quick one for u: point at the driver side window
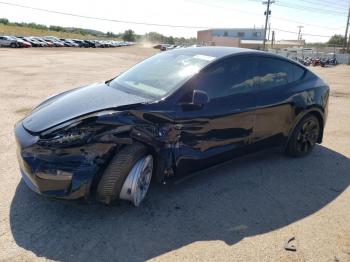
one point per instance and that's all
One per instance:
(232, 76)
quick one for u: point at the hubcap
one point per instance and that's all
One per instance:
(307, 136)
(138, 180)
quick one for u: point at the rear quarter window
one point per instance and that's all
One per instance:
(298, 73)
(274, 72)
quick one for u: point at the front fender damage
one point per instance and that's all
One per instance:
(73, 170)
(155, 130)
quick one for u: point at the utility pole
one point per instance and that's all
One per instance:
(273, 38)
(267, 14)
(346, 31)
(299, 34)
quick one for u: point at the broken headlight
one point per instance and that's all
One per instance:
(76, 132)
(70, 137)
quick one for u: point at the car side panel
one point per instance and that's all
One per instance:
(211, 136)
(280, 109)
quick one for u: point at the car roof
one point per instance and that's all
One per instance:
(220, 52)
(214, 51)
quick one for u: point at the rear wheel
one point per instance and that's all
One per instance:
(13, 45)
(128, 175)
(304, 137)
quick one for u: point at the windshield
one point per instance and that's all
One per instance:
(160, 74)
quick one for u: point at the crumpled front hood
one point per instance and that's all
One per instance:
(75, 103)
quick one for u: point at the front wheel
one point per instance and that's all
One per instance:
(304, 137)
(127, 176)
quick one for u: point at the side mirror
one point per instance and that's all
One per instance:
(200, 98)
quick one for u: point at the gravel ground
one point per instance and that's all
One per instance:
(243, 210)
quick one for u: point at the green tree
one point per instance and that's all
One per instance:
(129, 35)
(154, 37)
(336, 40)
(170, 40)
(4, 21)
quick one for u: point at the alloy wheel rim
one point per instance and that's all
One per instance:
(143, 180)
(307, 136)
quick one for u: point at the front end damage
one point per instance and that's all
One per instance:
(67, 161)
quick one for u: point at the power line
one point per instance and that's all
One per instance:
(132, 22)
(307, 8)
(323, 4)
(312, 9)
(103, 19)
(286, 31)
(275, 17)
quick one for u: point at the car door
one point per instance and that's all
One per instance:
(4, 41)
(275, 111)
(222, 127)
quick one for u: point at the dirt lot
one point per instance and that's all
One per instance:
(243, 210)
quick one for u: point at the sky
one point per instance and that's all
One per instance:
(320, 19)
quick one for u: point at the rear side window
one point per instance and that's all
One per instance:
(232, 76)
(274, 72)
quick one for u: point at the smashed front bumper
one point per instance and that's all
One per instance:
(59, 172)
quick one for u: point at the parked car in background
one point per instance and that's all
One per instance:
(32, 41)
(158, 46)
(6, 41)
(166, 47)
(81, 43)
(45, 44)
(12, 41)
(52, 41)
(52, 38)
(90, 43)
(69, 42)
(97, 43)
(21, 42)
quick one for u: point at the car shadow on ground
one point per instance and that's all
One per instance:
(244, 197)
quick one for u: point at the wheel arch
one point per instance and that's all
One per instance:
(160, 160)
(318, 113)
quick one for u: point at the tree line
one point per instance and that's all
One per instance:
(128, 35)
(81, 31)
(131, 36)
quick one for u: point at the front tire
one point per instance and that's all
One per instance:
(127, 176)
(304, 137)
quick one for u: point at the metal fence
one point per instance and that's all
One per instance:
(313, 53)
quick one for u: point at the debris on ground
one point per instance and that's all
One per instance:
(289, 246)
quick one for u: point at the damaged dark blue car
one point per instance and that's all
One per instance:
(172, 114)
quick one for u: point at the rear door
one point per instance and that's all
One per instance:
(275, 99)
(224, 126)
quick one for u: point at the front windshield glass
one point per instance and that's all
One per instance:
(160, 74)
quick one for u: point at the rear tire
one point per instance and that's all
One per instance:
(304, 137)
(13, 45)
(116, 172)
